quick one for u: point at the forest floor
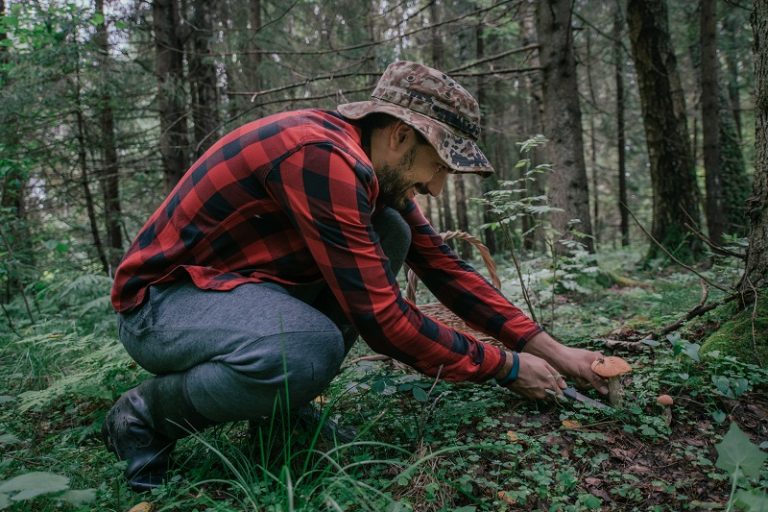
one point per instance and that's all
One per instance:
(422, 445)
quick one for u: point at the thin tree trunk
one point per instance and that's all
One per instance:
(618, 56)
(171, 98)
(491, 182)
(675, 191)
(593, 144)
(756, 272)
(109, 177)
(83, 161)
(534, 235)
(202, 78)
(438, 61)
(568, 190)
(710, 119)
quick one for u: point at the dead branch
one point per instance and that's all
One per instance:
(628, 345)
(699, 310)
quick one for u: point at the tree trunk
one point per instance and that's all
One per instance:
(618, 56)
(438, 62)
(83, 162)
(533, 234)
(710, 119)
(730, 26)
(756, 273)
(593, 143)
(202, 78)
(171, 101)
(675, 191)
(567, 188)
(491, 182)
(109, 177)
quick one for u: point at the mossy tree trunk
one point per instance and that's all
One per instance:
(756, 274)
(675, 191)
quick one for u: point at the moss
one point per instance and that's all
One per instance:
(734, 337)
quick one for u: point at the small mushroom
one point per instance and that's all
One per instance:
(612, 368)
(665, 401)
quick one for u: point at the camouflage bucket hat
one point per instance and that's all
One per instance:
(434, 104)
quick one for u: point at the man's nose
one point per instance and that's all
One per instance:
(435, 185)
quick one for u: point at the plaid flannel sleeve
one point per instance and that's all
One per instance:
(326, 192)
(464, 291)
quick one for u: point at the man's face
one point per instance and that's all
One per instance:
(419, 171)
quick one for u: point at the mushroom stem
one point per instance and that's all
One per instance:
(667, 414)
(615, 392)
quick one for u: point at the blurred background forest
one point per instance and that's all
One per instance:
(105, 105)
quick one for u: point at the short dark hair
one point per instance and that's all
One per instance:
(380, 120)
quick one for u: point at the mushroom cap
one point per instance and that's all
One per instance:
(611, 366)
(665, 400)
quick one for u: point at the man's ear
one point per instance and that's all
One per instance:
(400, 135)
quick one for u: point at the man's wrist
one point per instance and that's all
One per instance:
(510, 370)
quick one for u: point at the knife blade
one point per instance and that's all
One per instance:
(571, 393)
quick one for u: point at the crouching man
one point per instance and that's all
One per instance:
(281, 245)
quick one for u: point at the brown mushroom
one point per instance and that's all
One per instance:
(612, 368)
(666, 401)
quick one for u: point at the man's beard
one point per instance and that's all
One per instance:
(394, 183)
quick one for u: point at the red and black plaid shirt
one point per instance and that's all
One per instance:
(288, 199)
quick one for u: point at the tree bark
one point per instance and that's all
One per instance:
(675, 191)
(618, 57)
(710, 119)
(109, 177)
(756, 272)
(202, 78)
(171, 98)
(568, 189)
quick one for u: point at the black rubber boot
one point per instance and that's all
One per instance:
(144, 424)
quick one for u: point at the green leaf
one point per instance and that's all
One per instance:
(737, 453)
(419, 394)
(79, 497)
(719, 416)
(692, 351)
(34, 484)
(752, 502)
(4, 501)
(8, 439)
(97, 19)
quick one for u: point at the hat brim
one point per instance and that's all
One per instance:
(461, 154)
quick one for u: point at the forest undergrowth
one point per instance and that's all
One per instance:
(421, 444)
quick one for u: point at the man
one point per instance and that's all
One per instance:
(281, 244)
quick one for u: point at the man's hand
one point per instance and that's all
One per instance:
(575, 363)
(536, 378)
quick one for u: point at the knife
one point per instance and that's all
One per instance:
(571, 393)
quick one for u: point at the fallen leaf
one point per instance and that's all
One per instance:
(144, 506)
(512, 437)
(571, 424)
(506, 499)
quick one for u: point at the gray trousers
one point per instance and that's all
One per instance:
(243, 350)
